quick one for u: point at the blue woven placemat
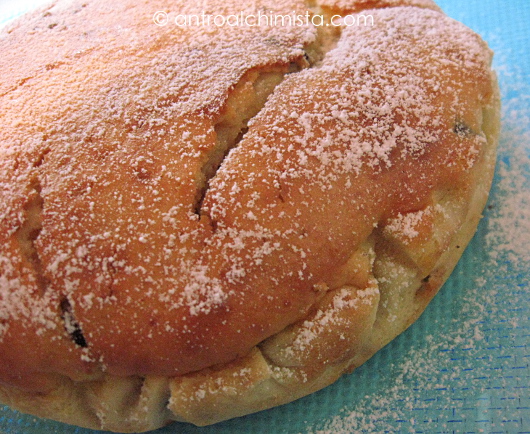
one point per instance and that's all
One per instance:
(463, 367)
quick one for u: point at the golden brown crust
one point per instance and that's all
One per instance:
(142, 265)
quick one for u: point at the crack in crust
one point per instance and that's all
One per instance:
(29, 232)
(71, 325)
(245, 102)
(249, 96)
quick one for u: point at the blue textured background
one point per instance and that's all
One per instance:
(464, 365)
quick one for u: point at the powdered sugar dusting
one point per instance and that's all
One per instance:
(203, 291)
(474, 379)
(509, 220)
(117, 157)
(86, 128)
(406, 224)
(331, 318)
